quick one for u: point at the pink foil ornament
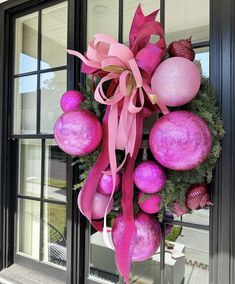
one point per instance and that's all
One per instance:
(148, 237)
(180, 140)
(176, 81)
(179, 209)
(149, 177)
(149, 204)
(106, 184)
(71, 100)
(99, 205)
(197, 196)
(78, 133)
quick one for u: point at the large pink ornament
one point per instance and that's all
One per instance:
(99, 205)
(149, 177)
(149, 204)
(71, 100)
(176, 81)
(106, 184)
(78, 133)
(148, 238)
(180, 140)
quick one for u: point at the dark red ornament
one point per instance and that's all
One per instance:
(179, 209)
(197, 196)
(182, 48)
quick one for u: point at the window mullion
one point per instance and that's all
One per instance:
(38, 101)
(41, 202)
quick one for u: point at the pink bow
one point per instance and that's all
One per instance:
(129, 71)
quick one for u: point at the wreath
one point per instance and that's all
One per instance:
(123, 180)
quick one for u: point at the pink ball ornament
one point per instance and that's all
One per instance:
(106, 184)
(176, 81)
(99, 205)
(149, 204)
(78, 133)
(148, 238)
(180, 140)
(71, 100)
(149, 177)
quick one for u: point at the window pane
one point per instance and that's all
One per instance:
(26, 42)
(28, 227)
(102, 260)
(25, 105)
(102, 17)
(148, 6)
(202, 55)
(187, 18)
(54, 36)
(55, 172)
(30, 167)
(198, 217)
(187, 256)
(55, 233)
(53, 85)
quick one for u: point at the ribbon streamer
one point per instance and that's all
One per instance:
(128, 71)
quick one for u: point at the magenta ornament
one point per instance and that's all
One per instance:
(149, 177)
(78, 133)
(149, 203)
(179, 209)
(71, 100)
(99, 205)
(180, 140)
(148, 237)
(197, 196)
(106, 184)
(176, 81)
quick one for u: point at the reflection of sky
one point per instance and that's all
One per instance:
(28, 84)
(203, 57)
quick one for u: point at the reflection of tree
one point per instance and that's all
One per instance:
(51, 92)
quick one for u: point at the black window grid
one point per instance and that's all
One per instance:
(38, 134)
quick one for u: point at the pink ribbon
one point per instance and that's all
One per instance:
(129, 72)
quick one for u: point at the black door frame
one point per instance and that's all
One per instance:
(222, 223)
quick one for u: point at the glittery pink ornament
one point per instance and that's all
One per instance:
(197, 197)
(106, 184)
(71, 100)
(148, 238)
(149, 203)
(99, 205)
(180, 140)
(179, 209)
(78, 133)
(149, 177)
(176, 81)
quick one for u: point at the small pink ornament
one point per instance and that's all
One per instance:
(149, 177)
(71, 100)
(149, 204)
(106, 184)
(78, 133)
(148, 238)
(180, 140)
(197, 197)
(176, 81)
(99, 205)
(179, 209)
